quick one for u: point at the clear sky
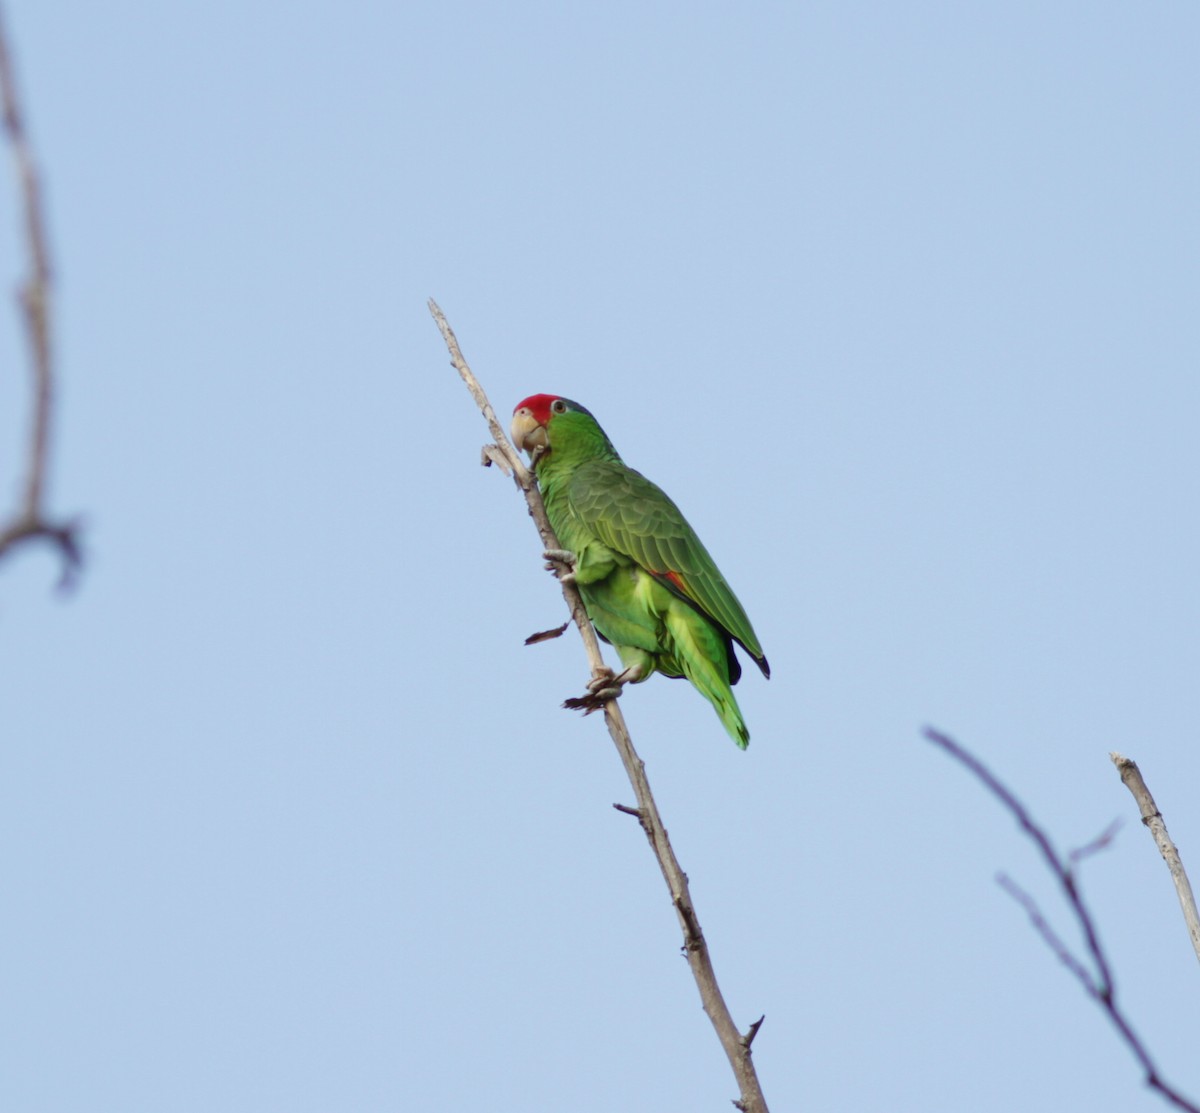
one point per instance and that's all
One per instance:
(897, 301)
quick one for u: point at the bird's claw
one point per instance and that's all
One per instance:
(603, 695)
(562, 563)
(593, 701)
(600, 689)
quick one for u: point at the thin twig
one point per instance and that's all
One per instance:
(1131, 775)
(695, 947)
(1042, 841)
(28, 522)
(1101, 842)
(748, 1038)
(547, 635)
(1098, 982)
(1049, 936)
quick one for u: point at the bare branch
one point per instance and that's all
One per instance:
(1042, 926)
(1098, 982)
(28, 522)
(1131, 775)
(695, 947)
(1041, 840)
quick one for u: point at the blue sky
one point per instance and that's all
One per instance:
(896, 301)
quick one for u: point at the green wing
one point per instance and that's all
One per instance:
(632, 516)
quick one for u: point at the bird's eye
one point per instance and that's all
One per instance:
(558, 406)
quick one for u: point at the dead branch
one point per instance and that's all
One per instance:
(1131, 775)
(29, 522)
(695, 947)
(1097, 980)
(547, 635)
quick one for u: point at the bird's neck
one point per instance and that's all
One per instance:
(567, 452)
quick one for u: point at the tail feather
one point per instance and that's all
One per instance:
(731, 716)
(701, 651)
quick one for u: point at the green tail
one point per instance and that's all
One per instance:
(702, 653)
(731, 715)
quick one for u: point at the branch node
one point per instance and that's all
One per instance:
(63, 536)
(693, 937)
(748, 1038)
(493, 454)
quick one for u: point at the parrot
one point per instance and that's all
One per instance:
(648, 584)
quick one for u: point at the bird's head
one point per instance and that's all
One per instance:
(534, 420)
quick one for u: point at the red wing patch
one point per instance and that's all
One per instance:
(677, 580)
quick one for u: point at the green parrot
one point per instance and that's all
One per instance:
(649, 585)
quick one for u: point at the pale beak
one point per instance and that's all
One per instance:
(526, 432)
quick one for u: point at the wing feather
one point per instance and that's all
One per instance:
(634, 517)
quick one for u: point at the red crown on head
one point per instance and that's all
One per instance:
(538, 405)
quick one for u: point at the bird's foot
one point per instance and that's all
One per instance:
(562, 563)
(601, 688)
